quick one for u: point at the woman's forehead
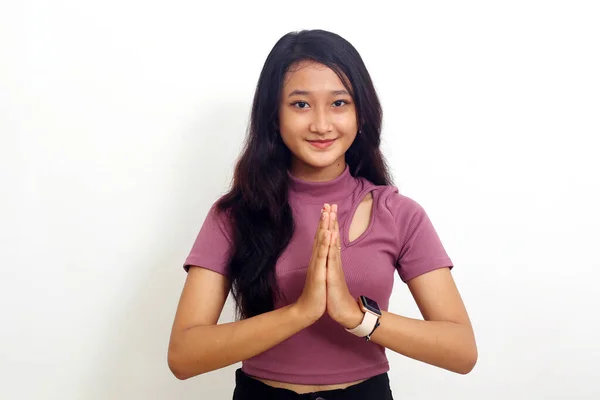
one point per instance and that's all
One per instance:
(313, 77)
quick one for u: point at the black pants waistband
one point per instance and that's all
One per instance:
(375, 388)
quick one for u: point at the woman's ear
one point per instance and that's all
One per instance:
(361, 124)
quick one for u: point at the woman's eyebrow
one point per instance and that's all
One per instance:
(306, 93)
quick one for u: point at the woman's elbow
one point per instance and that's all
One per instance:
(469, 360)
(179, 363)
(176, 366)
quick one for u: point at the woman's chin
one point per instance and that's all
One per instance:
(319, 161)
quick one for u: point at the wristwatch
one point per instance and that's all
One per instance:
(370, 321)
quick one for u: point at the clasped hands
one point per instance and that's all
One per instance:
(325, 289)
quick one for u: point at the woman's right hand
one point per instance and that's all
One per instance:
(197, 345)
(312, 303)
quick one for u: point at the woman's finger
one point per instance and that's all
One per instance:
(337, 231)
(331, 257)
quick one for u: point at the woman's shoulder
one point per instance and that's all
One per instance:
(389, 199)
(220, 218)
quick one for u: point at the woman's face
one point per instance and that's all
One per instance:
(317, 120)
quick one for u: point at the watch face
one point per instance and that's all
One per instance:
(370, 305)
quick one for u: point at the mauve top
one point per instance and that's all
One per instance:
(400, 237)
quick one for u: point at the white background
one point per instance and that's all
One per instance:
(120, 122)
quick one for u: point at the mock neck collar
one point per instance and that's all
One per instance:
(323, 192)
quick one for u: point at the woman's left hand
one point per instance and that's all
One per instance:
(341, 306)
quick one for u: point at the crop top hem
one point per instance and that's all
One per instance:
(317, 379)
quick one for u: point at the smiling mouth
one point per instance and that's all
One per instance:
(322, 144)
(321, 141)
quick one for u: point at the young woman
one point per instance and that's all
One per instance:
(308, 240)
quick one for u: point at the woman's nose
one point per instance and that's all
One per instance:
(321, 123)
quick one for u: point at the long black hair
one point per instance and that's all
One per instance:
(257, 203)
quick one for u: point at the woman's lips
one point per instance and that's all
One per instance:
(322, 144)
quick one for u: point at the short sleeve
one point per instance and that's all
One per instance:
(213, 243)
(420, 248)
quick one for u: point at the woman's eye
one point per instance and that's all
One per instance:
(339, 103)
(300, 104)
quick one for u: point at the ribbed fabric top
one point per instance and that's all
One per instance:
(322, 192)
(400, 237)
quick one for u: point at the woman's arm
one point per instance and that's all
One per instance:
(444, 339)
(199, 345)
